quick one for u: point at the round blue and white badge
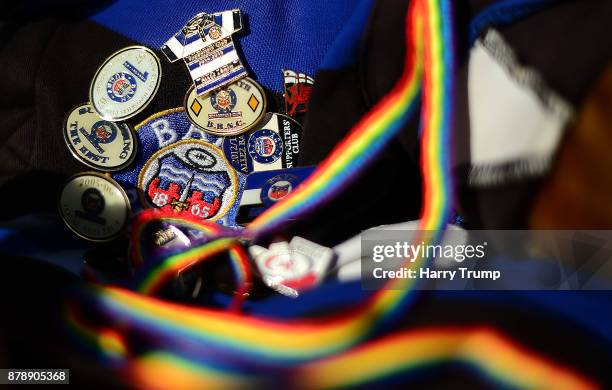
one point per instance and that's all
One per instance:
(125, 83)
(191, 178)
(278, 187)
(265, 146)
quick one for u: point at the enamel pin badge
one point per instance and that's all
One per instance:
(205, 44)
(232, 110)
(125, 83)
(94, 206)
(98, 143)
(298, 88)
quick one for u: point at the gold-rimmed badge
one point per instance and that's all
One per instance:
(125, 83)
(98, 143)
(233, 110)
(94, 206)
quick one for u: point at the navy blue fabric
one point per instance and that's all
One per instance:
(281, 34)
(504, 12)
(43, 237)
(345, 49)
(590, 309)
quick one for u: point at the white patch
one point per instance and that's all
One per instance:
(516, 122)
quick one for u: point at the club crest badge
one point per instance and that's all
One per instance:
(278, 190)
(125, 83)
(298, 87)
(182, 168)
(232, 110)
(279, 186)
(224, 101)
(205, 44)
(265, 146)
(121, 87)
(189, 177)
(94, 206)
(97, 143)
(274, 144)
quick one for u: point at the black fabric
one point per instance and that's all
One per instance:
(32, 331)
(569, 45)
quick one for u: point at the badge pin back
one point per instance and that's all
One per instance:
(230, 111)
(94, 206)
(273, 144)
(98, 143)
(155, 239)
(125, 83)
(163, 239)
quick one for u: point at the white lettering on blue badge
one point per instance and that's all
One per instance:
(182, 168)
(165, 135)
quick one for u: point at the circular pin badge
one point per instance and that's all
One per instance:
(233, 110)
(278, 187)
(273, 144)
(94, 206)
(98, 143)
(125, 83)
(190, 177)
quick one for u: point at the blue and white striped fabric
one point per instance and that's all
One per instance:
(206, 46)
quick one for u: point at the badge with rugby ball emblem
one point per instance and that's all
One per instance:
(94, 206)
(191, 178)
(125, 83)
(97, 143)
(274, 144)
(181, 168)
(232, 110)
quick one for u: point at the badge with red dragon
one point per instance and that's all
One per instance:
(298, 87)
